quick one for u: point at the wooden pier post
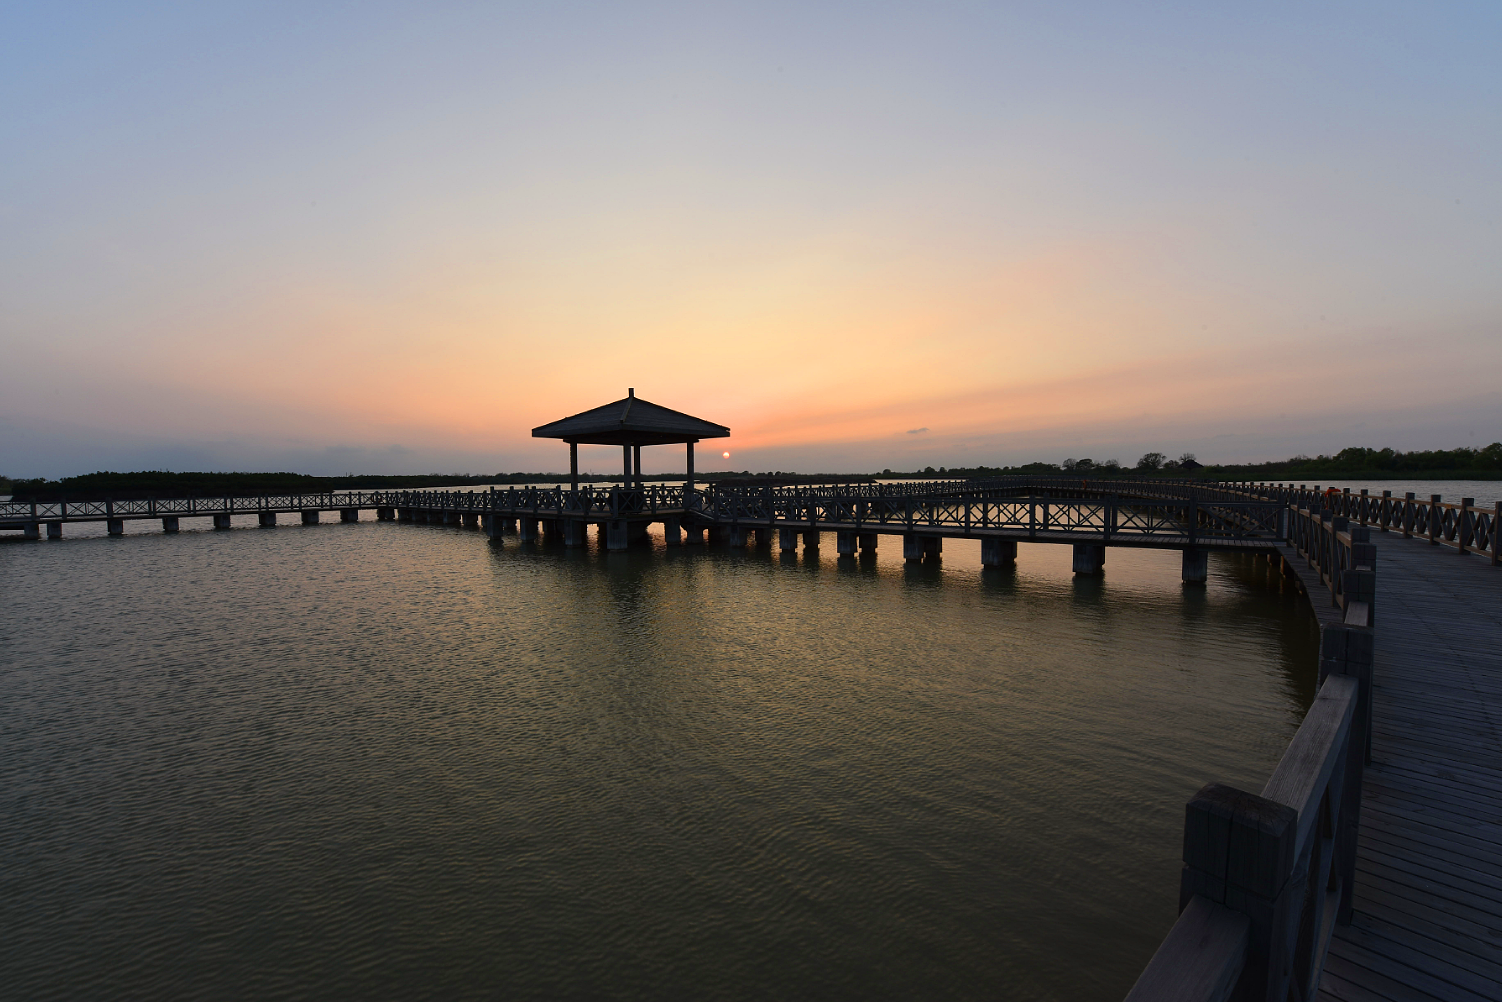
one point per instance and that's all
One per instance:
(1195, 566)
(575, 532)
(31, 530)
(617, 534)
(54, 530)
(528, 529)
(811, 539)
(844, 543)
(169, 523)
(1462, 526)
(310, 516)
(1436, 516)
(221, 520)
(1089, 558)
(349, 514)
(694, 535)
(787, 539)
(266, 519)
(997, 552)
(737, 535)
(672, 531)
(113, 526)
(867, 541)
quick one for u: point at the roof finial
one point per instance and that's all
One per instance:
(631, 391)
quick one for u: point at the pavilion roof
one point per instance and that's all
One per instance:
(631, 421)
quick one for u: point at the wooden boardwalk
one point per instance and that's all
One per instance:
(1428, 893)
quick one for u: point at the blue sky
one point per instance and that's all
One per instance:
(393, 238)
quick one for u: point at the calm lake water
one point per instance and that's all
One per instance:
(384, 760)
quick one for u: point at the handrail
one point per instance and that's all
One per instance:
(1461, 526)
(1284, 861)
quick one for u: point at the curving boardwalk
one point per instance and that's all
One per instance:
(1428, 889)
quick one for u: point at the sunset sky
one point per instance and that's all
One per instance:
(393, 238)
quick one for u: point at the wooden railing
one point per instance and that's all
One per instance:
(1462, 525)
(1266, 877)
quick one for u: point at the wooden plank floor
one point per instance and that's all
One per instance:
(1428, 897)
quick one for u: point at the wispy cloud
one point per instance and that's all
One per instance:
(917, 431)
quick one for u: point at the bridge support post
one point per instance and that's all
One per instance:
(811, 539)
(267, 519)
(451, 518)
(672, 531)
(471, 520)
(349, 514)
(113, 526)
(54, 530)
(508, 525)
(916, 547)
(693, 534)
(617, 534)
(761, 536)
(997, 552)
(1239, 852)
(528, 529)
(32, 530)
(719, 534)
(867, 541)
(575, 532)
(492, 527)
(221, 521)
(550, 529)
(844, 543)
(169, 523)
(787, 539)
(385, 514)
(1196, 566)
(737, 535)
(310, 516)
(1089, 558)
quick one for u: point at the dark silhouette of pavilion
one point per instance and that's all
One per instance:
(630, 423)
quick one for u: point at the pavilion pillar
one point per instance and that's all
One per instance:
(573, 465)
(688, 482)
(636, 463)
(626, 458)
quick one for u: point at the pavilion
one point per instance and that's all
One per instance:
(630, 423)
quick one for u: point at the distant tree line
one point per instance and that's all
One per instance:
(1458, 464)
(1392, 464)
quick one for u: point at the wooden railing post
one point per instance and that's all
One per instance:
(1239, 852)
(1435, 520)
(1461, 529)
(1496, 543)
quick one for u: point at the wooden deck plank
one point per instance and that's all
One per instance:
(1428, 895)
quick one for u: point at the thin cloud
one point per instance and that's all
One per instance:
(917, 431)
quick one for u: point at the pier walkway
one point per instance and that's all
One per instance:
(1427, 916)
